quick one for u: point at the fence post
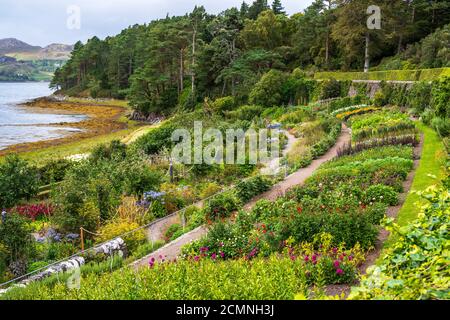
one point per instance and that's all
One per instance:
(82, 238)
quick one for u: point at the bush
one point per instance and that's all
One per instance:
(248, 112)
(220, 206)
(224, 104)
(442, 126)
(16, 239)
(18, 181)
(54, 171)
(248, 189)
(269, 91)
(156, 140)
(116, 228)
(330, 89)
(381, 193)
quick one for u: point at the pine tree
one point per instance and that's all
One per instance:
(244, 9)
(256, 8)
(277, 7)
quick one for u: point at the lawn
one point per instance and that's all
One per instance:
(429, 172)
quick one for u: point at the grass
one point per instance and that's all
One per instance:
(429, 172)
(105, 102)
(78, 147)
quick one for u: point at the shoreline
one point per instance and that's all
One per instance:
(101, 119)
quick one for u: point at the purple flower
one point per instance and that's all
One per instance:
(335, 250)
(196, 258)
(350, 258)
(339, 271)
(222, 255)
(337, 264)
(214, 256)
(152, 259)
(306, 258)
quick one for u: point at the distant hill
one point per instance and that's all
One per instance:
(23, 51)
(20, 61)
(11, 45)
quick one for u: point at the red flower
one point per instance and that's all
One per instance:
(299, 210)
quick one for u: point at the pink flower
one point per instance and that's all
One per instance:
(340, 271)
(337, 264)
(335, 250)
(306, 258)
(350, 258)
(196, 258)
(222, 254)
(214, 256)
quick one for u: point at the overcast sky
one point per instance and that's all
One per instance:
(41, 22)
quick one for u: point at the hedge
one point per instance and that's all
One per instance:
(391, 75)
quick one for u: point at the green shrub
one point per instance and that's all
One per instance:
(224, 104)
(17, 242)
(54, 171)
(381, 193)
(248, 112)
(330, 89)
(156, 140)
(220, 206)
(18, 181)
(270, 89)
(247, 189)
(442, 126)
(440, 100)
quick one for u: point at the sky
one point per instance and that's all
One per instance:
(42, 22)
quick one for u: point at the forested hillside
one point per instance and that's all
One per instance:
(178, 61)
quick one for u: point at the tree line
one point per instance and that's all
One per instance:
(178, 61)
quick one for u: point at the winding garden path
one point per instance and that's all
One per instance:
(173, 249)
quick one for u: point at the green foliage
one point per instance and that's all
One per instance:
(330, 89)
(249, 188)
(116, 228)
(391, 75)
(53, 171)
(269, 91)
(224, 104)
(441, 98)
(220, 206)
(415, 266)
(18, 181)
(245, 113)
(381, 193)
(156, 140)
(16, 242)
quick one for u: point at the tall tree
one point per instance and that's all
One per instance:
(256, 8)
(277, 7)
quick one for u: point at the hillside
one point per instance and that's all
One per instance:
(20, 61)
(23, 51)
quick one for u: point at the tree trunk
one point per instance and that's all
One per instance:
(327, 48)
(194, 40)
(181, 71)
(366, 55)
(400, 40)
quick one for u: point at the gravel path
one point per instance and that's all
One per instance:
(173, 249)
